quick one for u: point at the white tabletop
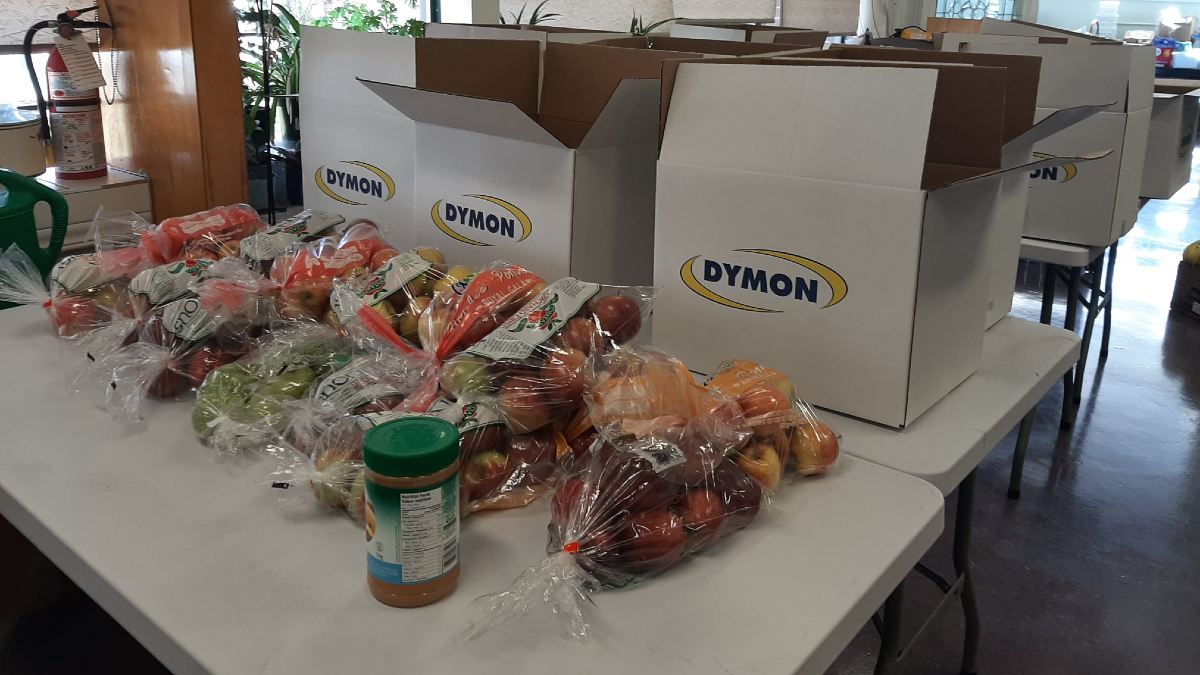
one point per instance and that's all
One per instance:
(1059, 253)
(1021, 361)
(203, 565)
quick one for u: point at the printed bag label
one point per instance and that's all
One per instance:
(168, 282)
(274, 241)
(187, 320)
(537, 321)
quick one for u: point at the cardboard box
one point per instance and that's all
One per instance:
(702, 47)
(563, 184)
(1186, 298)
(1096, 204)
(1172, 138)
(862, 280)
(749, 32)
(1003, 232)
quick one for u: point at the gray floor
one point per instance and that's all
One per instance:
(1093, 571)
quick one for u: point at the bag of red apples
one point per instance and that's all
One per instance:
(525, 383)
(212, 234)
(466, 308)
(83, 294)
(676, 467)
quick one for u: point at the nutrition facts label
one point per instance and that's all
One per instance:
(428, 539)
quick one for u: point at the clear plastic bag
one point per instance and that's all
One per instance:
(212, 234)
(306, 272)
(260, 249)
(81, 298)
(243, 405)
(532, 368)
(652, 488)
(782, 422)
(468, 309)
(501, 469)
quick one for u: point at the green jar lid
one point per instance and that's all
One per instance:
(411, 446)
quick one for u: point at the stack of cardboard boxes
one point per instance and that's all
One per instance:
(851, 215)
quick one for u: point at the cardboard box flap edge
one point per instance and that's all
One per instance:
(1054, 123)
(480, 115)
(1026, 167)
(623, 121)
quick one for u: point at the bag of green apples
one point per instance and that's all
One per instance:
(241, 406)
(659, 483)
(83, 295)
(531, 368)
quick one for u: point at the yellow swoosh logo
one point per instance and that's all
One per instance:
(329, 191)
(526, 224)
(1070, 169)
(836, 282)
(441, 225)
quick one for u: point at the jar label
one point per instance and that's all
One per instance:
(412, 534)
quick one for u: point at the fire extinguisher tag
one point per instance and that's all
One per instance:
(83, 72)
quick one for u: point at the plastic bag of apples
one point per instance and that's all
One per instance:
(82, 297)
(465, 309)
(306, 271)
(659, 482)
(212, 234)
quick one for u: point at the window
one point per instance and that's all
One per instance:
(976, 9)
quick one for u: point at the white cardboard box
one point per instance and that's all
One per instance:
(749, 32)
(562, 183)
(862, 280)
(1172, 138)
(538, 33)
(1003, 233)
(1096, 203)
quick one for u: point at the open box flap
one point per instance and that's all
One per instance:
(989, 26)
(484, 116)
(1174, 87)
(1069, 73)
(1026, 167)
(580, 81)
(966, 129)
(630, 118)
(1052, 124)
(1020, 84)
(804, 122)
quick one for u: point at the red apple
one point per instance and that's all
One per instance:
(532, 454)
(581, 443)
(72, 315)
(204, 360)
(578, 333)
(484, 473)
(815, 447)
(762, 404)
(479, 329)
(618, 316)
(566, 501)
(168, 384)
(628, 483)
(740, 494)
(703, 513)
(382, 256)
(565, 377)
(522, 405)
(481, 439)
(653, 541)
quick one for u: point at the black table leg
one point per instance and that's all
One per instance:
(962, 567)
(890, 649)
(1108, 299)
(1018, 461)
(1069, 324)
(1049, 282)
(1093, 306)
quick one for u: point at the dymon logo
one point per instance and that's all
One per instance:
(471, 217)
(354, 182)
(1053, 174)
(754, 280)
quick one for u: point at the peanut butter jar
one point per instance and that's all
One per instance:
(412, 510)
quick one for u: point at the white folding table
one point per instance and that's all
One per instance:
(1021, 361)
(204, 566)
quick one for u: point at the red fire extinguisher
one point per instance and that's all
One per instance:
(71, 117)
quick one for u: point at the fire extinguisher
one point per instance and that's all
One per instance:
(71, 119)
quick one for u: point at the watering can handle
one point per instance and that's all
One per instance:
(59, 212)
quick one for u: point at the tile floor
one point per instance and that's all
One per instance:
(1093, 571)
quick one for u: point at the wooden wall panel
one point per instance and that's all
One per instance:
(178, 117)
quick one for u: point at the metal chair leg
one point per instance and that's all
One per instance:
(1069, 323)
(962, 567)
(1089, 324)
(1108, 299)
(1018, 461)
(1049, 282)
(888, 661)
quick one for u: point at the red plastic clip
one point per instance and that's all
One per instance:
(572, 548)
